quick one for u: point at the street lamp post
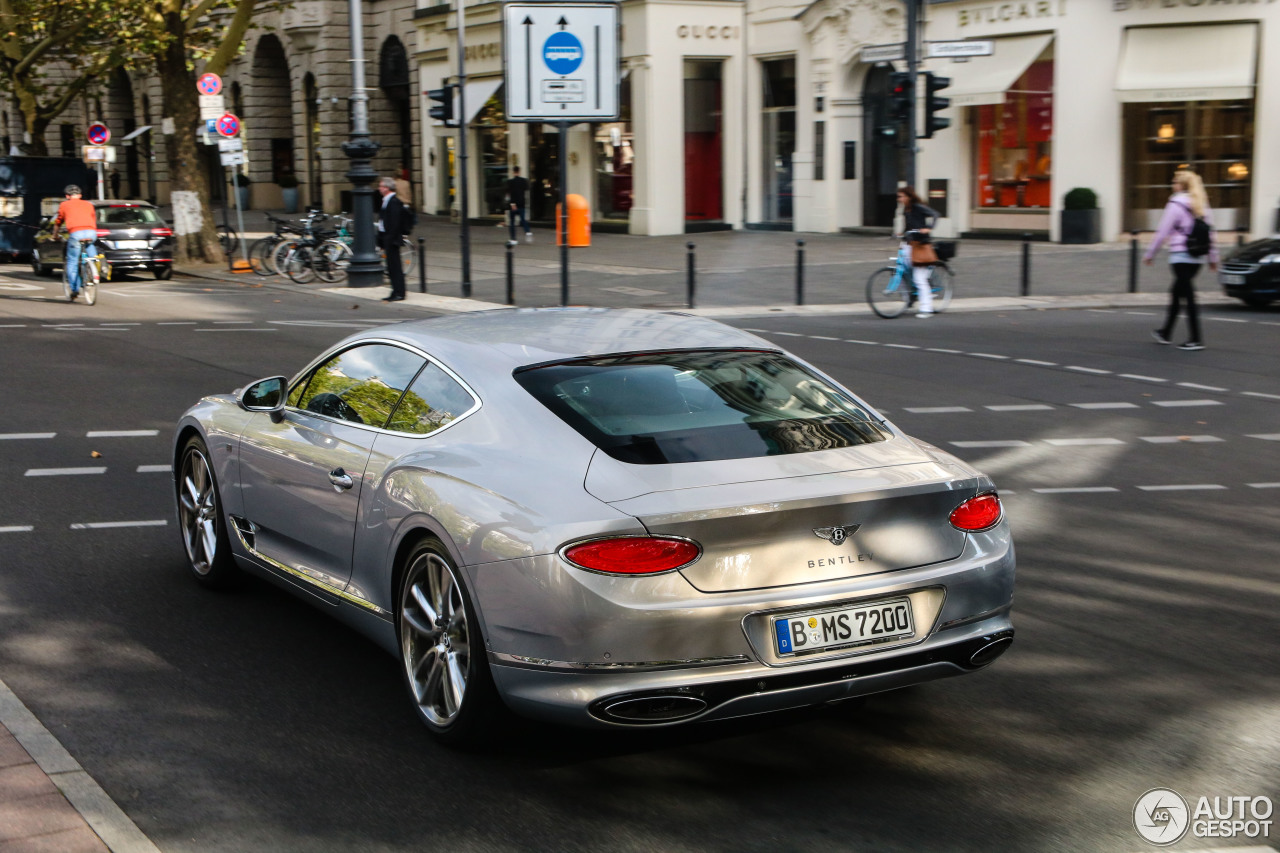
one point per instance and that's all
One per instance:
(366, 267)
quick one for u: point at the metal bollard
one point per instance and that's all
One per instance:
(1240, 231)
(1133, 261)
(799, 272)
(422, 265)
(692, 285)
(511, 278)
(1026, 265)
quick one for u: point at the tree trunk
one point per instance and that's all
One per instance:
(188, 183)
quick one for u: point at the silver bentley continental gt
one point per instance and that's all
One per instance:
(600, 517)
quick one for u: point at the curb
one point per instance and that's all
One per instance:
(100, 812)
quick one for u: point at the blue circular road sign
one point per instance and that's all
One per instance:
(98, 133)
(562, 53)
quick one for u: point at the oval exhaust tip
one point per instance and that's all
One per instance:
(655, 709)
(990, 652)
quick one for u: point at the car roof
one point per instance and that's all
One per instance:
(119, 202)
(504, 340)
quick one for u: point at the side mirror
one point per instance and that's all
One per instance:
(265, 395)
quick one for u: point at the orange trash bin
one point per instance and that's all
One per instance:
(579, 222)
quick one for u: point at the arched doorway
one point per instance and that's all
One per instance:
(882, 162)
(268, 105)
(393, 79)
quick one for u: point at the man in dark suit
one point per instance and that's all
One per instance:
(391, 222)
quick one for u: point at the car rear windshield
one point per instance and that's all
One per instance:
(698, 406)
(128, 215)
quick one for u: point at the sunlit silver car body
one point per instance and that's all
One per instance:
(507, 484)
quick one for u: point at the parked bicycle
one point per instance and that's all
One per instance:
(890, 290)
(262, 252)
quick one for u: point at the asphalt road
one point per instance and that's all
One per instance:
(1143, 485)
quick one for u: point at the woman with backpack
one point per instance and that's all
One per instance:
(1187, 224)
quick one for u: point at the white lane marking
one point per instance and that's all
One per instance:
(1069, 490)
(154, 469)
(1081, 442)
(1025, 407)
(901, 346)
(119, 324)
(1103, 405)
(1260, 394)
(1094, 310)
(17, 528)
(1036, 362)
(1189, 487)
(945, 350)
(1174, 439)
(61, 325)
(789, 334)
(1093, 370)
(1227, 320)
(1265, 436)
(63, 472)
(1263, 485)
(937, 410)
(1168, 404)
(14, 326)
(178, 323)
(107, 525)
(1010, 443)
(757, 331)
(121, 433)
(1142, 313)
(1141, 377)
(824, 338)
(235, 330)
(97, 329)
(855, 341)
(231, 322)
(17, 435)
(989, 355)
(1201, 387)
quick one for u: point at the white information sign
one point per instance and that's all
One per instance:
(883, 52)
(232, 158)
(230, 144)
(937, 49)
(561, 61)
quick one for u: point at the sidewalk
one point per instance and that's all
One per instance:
(47, 801)
(742, 270)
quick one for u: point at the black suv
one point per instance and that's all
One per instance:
(132, 235)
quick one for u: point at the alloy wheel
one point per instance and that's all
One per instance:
(198, 512)
(435, 638)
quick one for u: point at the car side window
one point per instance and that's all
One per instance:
(432, 401)
(361, 384)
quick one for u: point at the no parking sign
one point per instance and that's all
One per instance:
(209, 84)
(98, 133)
(228, 125)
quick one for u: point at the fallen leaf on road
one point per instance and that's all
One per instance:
(95, 454)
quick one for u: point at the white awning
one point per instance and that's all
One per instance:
(1203, 63)
(478, 94)
(985, 79)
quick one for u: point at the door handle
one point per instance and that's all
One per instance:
(340, 479)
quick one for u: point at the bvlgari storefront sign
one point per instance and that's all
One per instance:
(1126, 5)
(1027, 10)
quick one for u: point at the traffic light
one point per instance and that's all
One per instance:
(443, 111)
(934, 104)
(900, 96)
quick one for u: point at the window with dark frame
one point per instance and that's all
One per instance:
(819, 150)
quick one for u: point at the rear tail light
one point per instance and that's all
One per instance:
(633, 555)
(161, 232)
(104, 232)
(981, 512)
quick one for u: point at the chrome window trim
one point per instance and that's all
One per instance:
(527, 662)
(306, 371)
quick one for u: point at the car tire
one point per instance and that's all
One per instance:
(1256, 301)
(163, 272)
(446, 667)
(200, 520)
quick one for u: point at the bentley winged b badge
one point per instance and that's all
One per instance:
(836, 535)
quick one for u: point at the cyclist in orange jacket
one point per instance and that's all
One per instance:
(81, 221)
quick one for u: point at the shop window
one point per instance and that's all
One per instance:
(1014, 143)
(491, 132)
(819, 150)
(779, 126)
(615, 154)
(1212, 138)
(703, 163)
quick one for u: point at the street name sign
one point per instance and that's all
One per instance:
(884, 52)
(939, 49)
(561, 61)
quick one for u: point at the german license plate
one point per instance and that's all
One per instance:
(131, 244)
(847, 626)
(1232, 279)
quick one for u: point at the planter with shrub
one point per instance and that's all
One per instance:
(288, 184)
(1081, 219)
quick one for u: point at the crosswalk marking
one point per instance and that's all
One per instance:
(1194, 487)
(1009, 443)
(121, 433)
(1103, 405)
(1067, 490)
(24, 435)
(1265, 436)
(1139, 376)
(1082, 442)
(1022, 407)
(1174, 439)
(937, 410)
(1263, 485)
(154, 469)
(1200, 387)
(1260, 394)
(1093, 370)
(17, 528)
(60, 472)
(108, 525)
(1169, 404)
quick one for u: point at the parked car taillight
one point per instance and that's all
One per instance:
(981, 512)
(161, 232)
(104, 232)
(634, 555)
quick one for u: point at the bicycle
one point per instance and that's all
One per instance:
(262, 252)
(890, 289)
(91, 272)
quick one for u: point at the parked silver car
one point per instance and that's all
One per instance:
(600, 517)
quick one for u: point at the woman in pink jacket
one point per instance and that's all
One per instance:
(1187, 204)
